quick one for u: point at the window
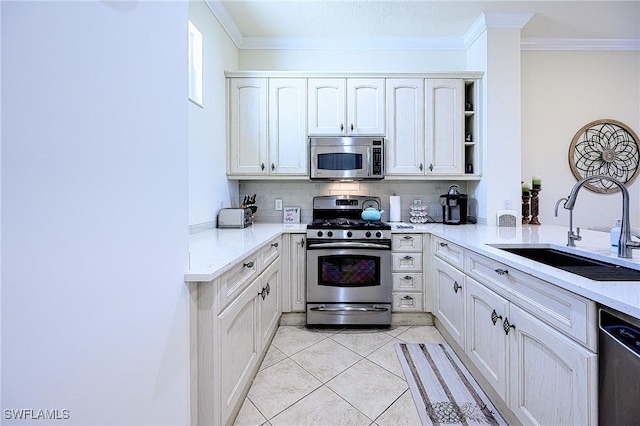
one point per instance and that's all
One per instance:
(195, 64)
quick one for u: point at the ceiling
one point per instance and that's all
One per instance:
(273, 24)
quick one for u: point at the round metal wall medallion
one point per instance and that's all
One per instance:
(605, 147)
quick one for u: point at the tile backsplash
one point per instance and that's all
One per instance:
(301, 193)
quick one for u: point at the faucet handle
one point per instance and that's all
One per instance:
(578, 237)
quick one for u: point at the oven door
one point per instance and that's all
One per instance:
(348, 275)
(340, 162)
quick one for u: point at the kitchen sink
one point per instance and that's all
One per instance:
(596, 270)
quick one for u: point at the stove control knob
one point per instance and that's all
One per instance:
(349, 234)
(368, 234)
(329, 234)
(319, 234)
(378, 234)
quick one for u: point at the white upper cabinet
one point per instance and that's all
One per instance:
(353, 106)
(431, 124)
(267, 127)
(405, 153)
(247, 126)
(288, 126)
(444, 126)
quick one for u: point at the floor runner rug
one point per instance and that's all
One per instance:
(443, 389)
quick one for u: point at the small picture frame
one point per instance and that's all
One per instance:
(291, 215)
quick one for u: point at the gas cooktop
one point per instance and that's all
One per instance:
(346, 223)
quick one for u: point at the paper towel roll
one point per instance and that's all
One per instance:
(395, 209)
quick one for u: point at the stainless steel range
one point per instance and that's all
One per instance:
(348, 263)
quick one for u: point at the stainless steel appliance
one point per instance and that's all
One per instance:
(348, 263)
(618, 368)
(346, 158)
(235, 217)
(454, 206)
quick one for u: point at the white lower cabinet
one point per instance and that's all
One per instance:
(294, 287)
(531, 341)
(239, 348)
(270, 303)
(553, 379)
(238, 315)
(407, 273)
(450, 287)
(486, 340)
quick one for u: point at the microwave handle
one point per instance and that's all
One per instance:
(369, 164)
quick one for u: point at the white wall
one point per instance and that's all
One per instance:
(561, 92)
(208, 185)
(94, 211)
(352, 60)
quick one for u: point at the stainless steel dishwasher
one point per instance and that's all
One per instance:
(619, 368)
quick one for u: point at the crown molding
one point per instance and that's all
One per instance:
(485, 21)
(492, 20)
(222, 15)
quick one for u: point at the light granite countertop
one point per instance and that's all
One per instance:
(214, 251)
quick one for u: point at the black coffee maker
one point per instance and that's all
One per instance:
(454, 206)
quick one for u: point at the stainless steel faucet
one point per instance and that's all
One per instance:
(625, 245)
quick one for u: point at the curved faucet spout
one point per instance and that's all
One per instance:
(625, 245)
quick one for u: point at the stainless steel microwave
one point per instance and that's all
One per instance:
(346, 158)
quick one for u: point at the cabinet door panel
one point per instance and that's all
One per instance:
(270, 305)
(365, 106)
(444, 131)
(248, 126)
(450, 309)
(288, 126)
(486, 340)
(327, 100)
(549, 371)
(405, 127)
(298, 273)
(239, 348)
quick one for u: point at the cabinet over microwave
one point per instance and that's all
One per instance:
(346, 158)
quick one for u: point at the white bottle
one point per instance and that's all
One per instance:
(615, 235)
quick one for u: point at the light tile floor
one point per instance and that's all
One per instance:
(334, 377)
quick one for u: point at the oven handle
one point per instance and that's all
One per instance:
(349, 308)
(346, 244)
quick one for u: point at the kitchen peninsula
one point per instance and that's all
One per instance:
(509, 319)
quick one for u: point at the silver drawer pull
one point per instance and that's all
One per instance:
(248, 265)
(456, 286)
(408, 257)
(408, 277)
(502, 271)
(408, 237)
(274, 245)
(408, 297)
(443, 244)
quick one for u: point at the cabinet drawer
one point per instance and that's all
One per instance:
(567, 312)
(449, 252)
(235, 280)
(407, 302)
(406, 242)
(408, 281)
(407, 262)
(270, 252)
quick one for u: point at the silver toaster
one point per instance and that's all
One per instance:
(235, 218)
